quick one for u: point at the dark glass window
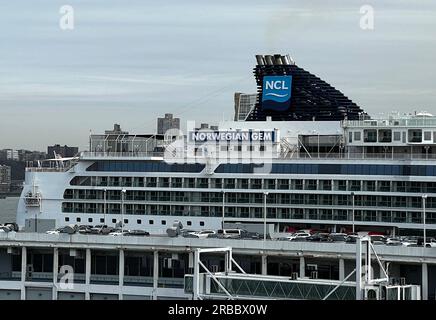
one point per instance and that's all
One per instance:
(144, 166)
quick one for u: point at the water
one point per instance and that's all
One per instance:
(8, 209)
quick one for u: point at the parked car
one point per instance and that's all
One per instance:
(252, 235)
(118, 232)
(298, 236)
(230, 233)
(85, 229)
(187, 233)
(137, 233)
(338, 237)
(394, 241)
(102, 229)
(351, 238)
(201, 234)
(54, 231)
(409, 242)
(431, 243)
(318, 237)
(378, 239)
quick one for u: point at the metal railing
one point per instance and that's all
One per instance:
(402, 122)
(277, 156)
(134, 154)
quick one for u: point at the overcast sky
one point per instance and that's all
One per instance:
(131, 61)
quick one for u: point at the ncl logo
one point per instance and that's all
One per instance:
(276, 93)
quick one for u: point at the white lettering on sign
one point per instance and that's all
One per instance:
(277, 85)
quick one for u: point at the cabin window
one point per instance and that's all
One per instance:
(357, 136)
(415, 135)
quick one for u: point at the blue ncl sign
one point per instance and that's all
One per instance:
(276, 92)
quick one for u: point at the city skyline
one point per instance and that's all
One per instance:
(131, 64)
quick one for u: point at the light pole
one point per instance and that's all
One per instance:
(123, 193)
(104, 206)
(265, 193)
(352, 201)
(424, 198)
(224, 199)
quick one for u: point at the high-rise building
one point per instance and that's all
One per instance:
(11, 154)
(244, 104)
(5, 179)
(166, 123)
(65, 151)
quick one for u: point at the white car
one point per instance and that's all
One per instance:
(298, 236)
(431, 243)
(119, 233)
(56, 231)
(393, 242)
(202, 234)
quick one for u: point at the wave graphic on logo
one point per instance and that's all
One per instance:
(276, 95)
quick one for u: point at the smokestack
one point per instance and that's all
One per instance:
(277, 59)
(269, 60)
(291, 61)
(260, 60)
(285, 60)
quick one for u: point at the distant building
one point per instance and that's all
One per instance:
(206, 126)
(11, 154)
(5, 179)
(166, 123)
(244, 104)
(26, 155)
(64, 151)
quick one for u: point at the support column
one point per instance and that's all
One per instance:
(359, 269)
(341, 269)
(121, 274)
(156, 273)
(87, 273)
(383, 266)
(424, 284)
(23, 272)
(264, 264)
(55, 273)
(196, 280)
(302, 268)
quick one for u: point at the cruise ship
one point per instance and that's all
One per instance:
(303, 157)
(320, 162)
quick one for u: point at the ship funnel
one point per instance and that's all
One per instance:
(260, 60)
(269, 60)
(289, 58)
(285, 60)
(278, 59)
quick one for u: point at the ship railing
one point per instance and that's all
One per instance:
(301, 155)
(97, 154)
(399, 122)
(51, 165)
(364, 156)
